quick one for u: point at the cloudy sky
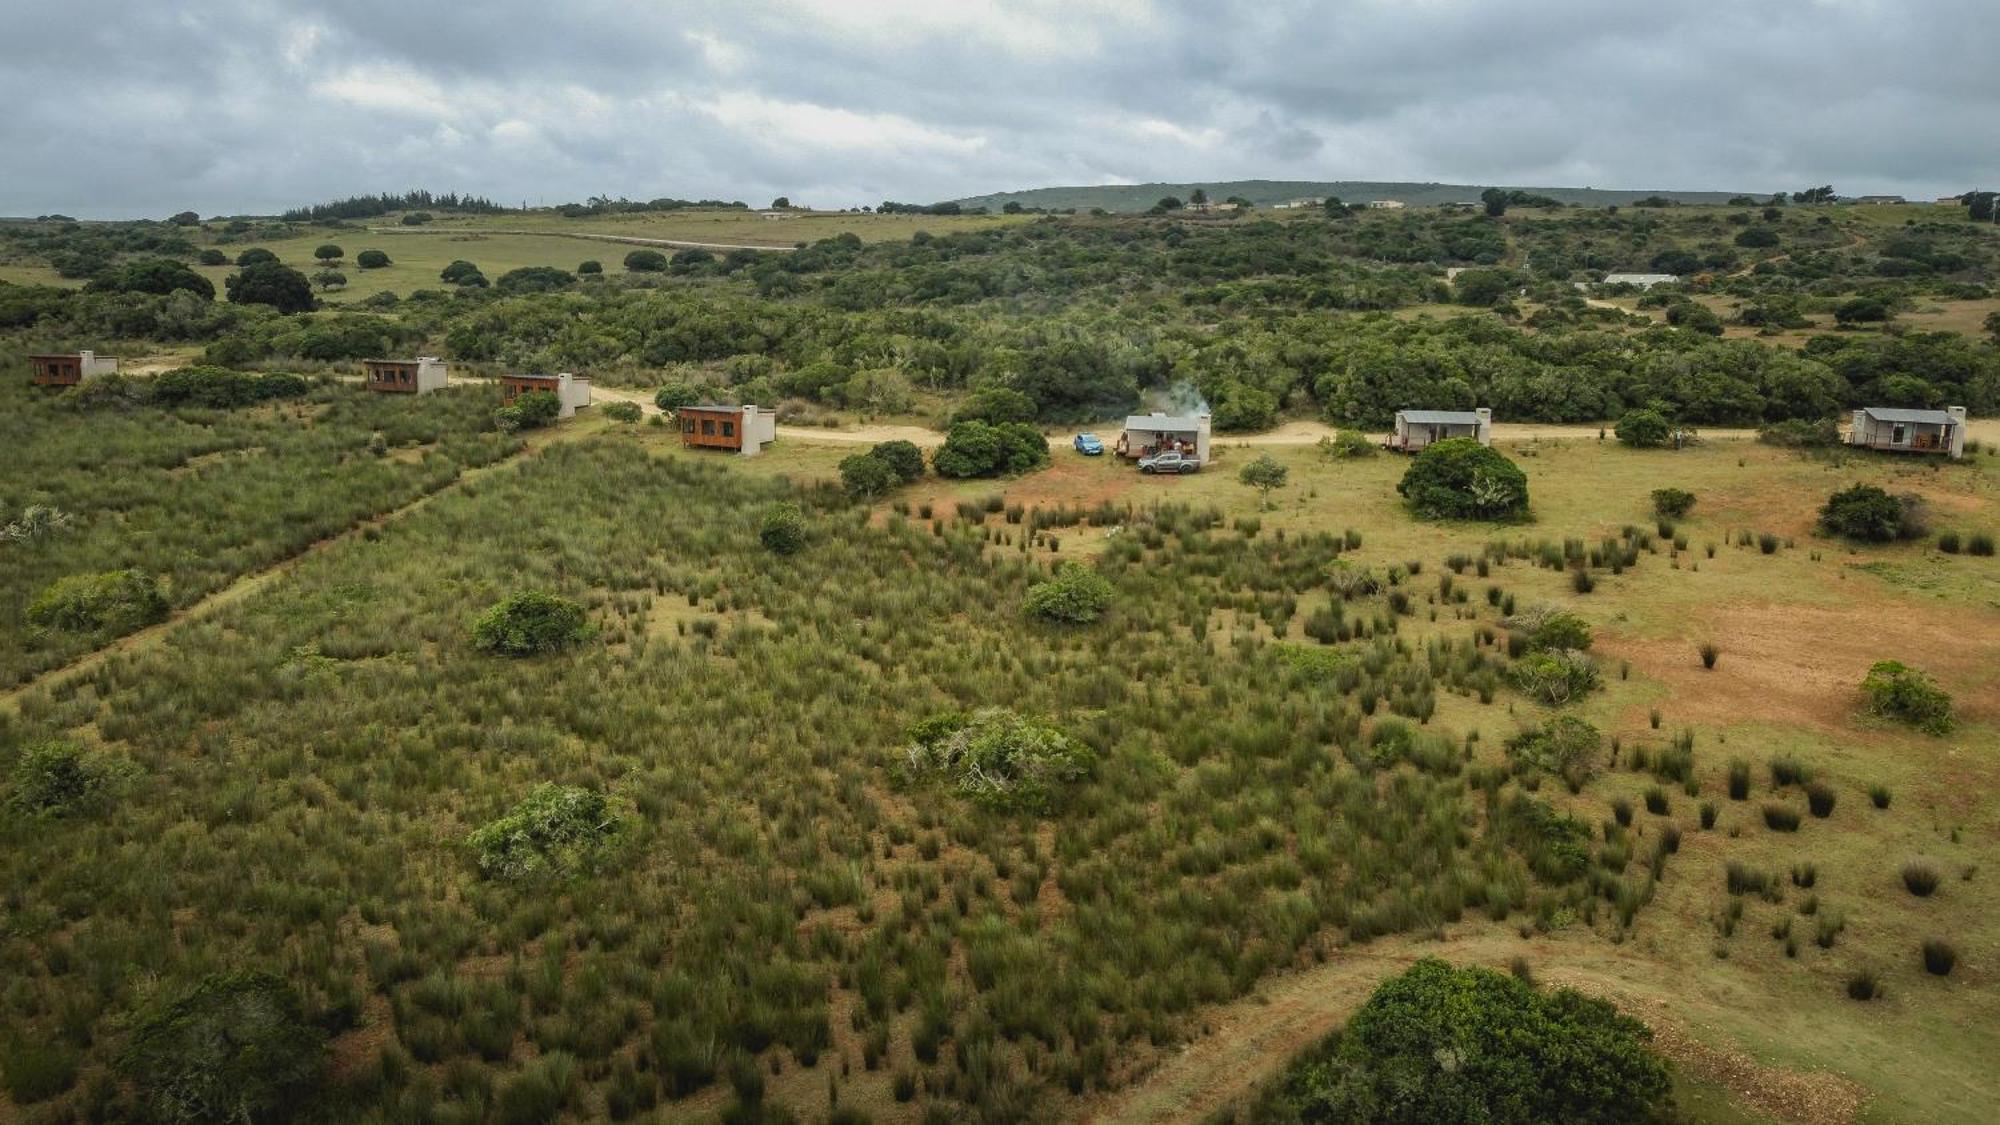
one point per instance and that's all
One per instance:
(121, 108)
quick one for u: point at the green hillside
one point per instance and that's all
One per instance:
(1138, 197)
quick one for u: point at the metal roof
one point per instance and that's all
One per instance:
(715, 407)
(1163, 423)
(1439, 417)
(1898, 414)
(1640, 278)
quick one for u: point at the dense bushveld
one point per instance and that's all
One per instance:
(1088, 317)
(199, 497)
(310, 762)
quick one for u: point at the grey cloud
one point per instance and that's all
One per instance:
(251, 105)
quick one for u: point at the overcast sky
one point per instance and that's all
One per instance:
(120, 108)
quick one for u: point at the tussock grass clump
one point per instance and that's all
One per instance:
(1781, 818)
(1879, 795)
(1710, 652)
(1742, 879)
(1739, 780)
(1656, 800)
(1708, 814)
(1804, 875)
(1820, 798)
(1940, 957)
(1787, 770)
(1921, 878)
(1863, 984)
(1980, 544)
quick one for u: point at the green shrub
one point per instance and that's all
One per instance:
(1555, 677)
(1948, 542)
(646, 261)
(1673, 502)
(530, 411)
(1800, 433)
(1980, 544)
(783, 530)
(234, 1048)
(1545, 628)
(903, 457)
(996, 758)
(1899, 692)
(56, 779)
(1644, 428)
(1862, 512)
(1347, 444)
(674, 397)
(1439, 1043)
(1565, 746)
(1077, 595)
(116, 601)
(34, 1070)
(557, 832)
(620, 411)
(220, 388)
(371, 259)
(1458, 478)
(975, 449)
(529, 623)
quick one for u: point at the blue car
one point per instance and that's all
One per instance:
(1088, 445)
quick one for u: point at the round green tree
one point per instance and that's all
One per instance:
(329, 253)
(1077, 595)
(371, 259)
(1644, 428)
(1862, 512)
(783, 530)
(530, 623)
(1458, 478)
(270, 283)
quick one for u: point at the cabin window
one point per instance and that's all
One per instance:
(729, 429)
(1899, 435)
(708, 427)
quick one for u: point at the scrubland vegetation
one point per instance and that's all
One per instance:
(855, 781)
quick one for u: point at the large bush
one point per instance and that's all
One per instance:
(996, 758)
(371, 259)
(1900, 692)
(675, 397)
(646, 261)
(221, 388)
(56, 779)
(1458, 478)
(1673, 502)
(1077, 595)
(153, 275)
(529, 623)
(995, 405)
(534, 279)
(1565, 746)
(530, 411)
(1644, 428)
(558, 832)
(886, 466)
(271, 283)
(975, 449)
(235, 1048)
(1862, 512)
(463, 274)
(116, 601)
(1444, 1044)
(783, 529)
(1544, 628)
(1555, 676)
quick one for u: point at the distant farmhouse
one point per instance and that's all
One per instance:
(1896, 430)
(70, 369)
(1417, 429)
(743, 430)
(1386, 205)
(1878, 199)
(1296, 204)
(419, 376)
(1642, 280)
(572, 391)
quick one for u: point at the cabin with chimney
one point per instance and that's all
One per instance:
(744, 430)
(1417, 429)
(573, 391)
(1896, 430)
(69, 369)
(419, 376)
(1147, 434)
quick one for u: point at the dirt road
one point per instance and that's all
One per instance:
(1251, 1040)
(631, 239)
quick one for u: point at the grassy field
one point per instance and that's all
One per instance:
(781, 903)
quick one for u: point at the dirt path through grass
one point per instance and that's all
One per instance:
(1250, 1041)
(678, 243)
(256, 580)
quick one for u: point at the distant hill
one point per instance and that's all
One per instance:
(1264, 193)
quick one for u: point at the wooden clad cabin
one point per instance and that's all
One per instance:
(419, 376)
(743, 430)
(1896, 430)
(70, 369)
(1416, 429)
(572, 391)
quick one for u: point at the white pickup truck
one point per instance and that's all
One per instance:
(1172, 461)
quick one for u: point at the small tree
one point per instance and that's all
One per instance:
(1644, 428)
(1673, 502)
(464, 274)
(646, 261)
(56, 779)
(557, 832)
(903, 457)
(1077, 595)
(783, 530)
(866, 476)
(1897, 691)
(1264, 474)
(371, 259)
(782, 203)
(237, 1047)
(675, 397)
(530, 623)
(590, 268)
(116, 601)
(329, 279)
(1458, 478)
(1862, 512)
(328, 252)
(1565, 746)
(996, 758)
(1495, 200)
(254, 256)
(269, 283)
